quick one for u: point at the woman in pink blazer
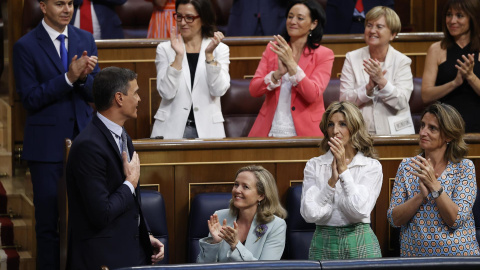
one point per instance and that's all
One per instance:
(293, 73)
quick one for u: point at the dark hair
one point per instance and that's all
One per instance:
(205, 11)
(472, 9)
(360, 139)
(109, 81)
(452, 127)
(316, 13)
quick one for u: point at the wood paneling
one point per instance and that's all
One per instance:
(184, 168)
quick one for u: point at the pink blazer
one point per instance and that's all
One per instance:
(307, 97)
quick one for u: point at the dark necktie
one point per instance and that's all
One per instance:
(63, 51)
(124, 144)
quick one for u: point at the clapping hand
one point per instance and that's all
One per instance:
(465, 68)
(176, 41)
(285, 55)
(214, 227)
(423, 169)
(215, 40)
(229, 234)
(338, 151)
(374, 69)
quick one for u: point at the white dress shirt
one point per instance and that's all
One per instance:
(353, 198)
(53, 34)
(97, 32)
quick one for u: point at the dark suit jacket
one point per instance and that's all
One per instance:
(103, 213)
(52, 105)
(340, 13)
(243, 17)
(109, 22)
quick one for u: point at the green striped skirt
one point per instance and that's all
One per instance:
(345, 242)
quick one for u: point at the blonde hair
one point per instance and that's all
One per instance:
(359, 136)
(266, 186)
(391, 18)
(451, 126)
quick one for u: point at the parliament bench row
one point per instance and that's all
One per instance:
(240, 109)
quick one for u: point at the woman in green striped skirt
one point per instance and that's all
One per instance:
(340, 188)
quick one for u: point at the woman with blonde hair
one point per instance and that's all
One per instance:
(434, 192)
(253, 228)
(341, 187)
(378, 79)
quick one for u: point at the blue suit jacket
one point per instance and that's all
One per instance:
(104, 215)
(243, 17)
(340, 13)
(109, 22)
(52, 105)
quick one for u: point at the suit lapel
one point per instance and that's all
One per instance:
(304, 62)
(46, 44)
(389, 59)
(72, 44)
(251, 237)
(186, 72)
(201, 59)
(108, 135)
(364, 56)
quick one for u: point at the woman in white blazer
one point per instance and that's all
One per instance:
(253, 228)
(192, 75)
(378, 78)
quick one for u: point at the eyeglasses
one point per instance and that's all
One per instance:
(188, 18)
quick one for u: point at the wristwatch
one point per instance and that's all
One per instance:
(436, 194)
(209, 62)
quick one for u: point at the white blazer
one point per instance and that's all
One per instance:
(391, 100)
(174, 86)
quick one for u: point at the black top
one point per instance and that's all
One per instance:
(463, 98)
(192, 64)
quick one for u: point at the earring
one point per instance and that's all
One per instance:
(310, 35)
(259, 203)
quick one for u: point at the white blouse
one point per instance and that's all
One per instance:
(353, 198)
(282, 124)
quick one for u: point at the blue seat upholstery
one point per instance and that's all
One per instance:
(202, 207)
(476, 215)
(299, 232)
(153, 209)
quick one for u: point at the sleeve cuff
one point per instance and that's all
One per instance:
(346, 181)
(68, 81)
(295, 79)
(129, 185)
(362, 95)
(268, 81)
(386, 91)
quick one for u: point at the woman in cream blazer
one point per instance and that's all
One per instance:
(211, 80)
(378, 78)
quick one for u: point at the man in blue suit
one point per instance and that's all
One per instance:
(106, 23)
(106, 224)
(53, 79)
(344, 18)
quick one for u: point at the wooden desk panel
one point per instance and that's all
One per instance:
(183, 168)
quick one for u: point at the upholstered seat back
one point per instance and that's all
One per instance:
(239, 108)
(202, 207)
(153, 209)
(299, 232)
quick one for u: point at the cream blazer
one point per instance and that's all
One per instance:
(391, 100)
(174, 86)
(269, 246)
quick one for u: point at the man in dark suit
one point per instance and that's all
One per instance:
(106, 23)
(106, 225)
(343, 16)
(53, 79)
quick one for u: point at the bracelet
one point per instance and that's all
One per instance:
(273, 76)
(209, 62)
